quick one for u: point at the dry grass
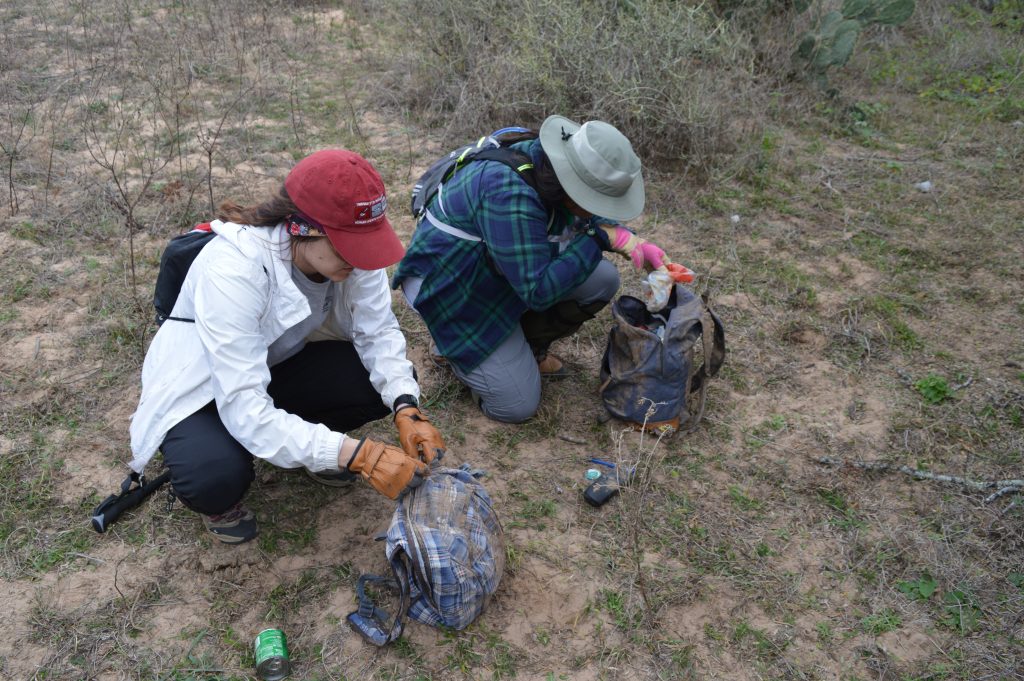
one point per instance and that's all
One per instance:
(679, 82)
(735, 555)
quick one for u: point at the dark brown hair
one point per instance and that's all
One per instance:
(266, 214)
(548, 187)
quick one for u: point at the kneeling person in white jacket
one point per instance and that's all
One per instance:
(283, 338)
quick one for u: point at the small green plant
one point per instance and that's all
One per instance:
(503, 658)
(934, 389)
(961, 611)
(763, 433)
(614, 603)
(904, 336)
(461, 658)
(992, 91)
(847, 519)
(881, 622)
(742, 501)
(544, 508)
(861, 116)
(27, 231)
(831, 42)
(919, 589)
(712, 633)
(682, 654)
(533, 512)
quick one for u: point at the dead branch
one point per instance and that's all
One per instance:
(572, 438)
(1002, 487)
(12, 150)
(1002, 492)
(209, 139)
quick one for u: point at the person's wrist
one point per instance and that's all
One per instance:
(403, 401)
(347, 454)
(599, 235)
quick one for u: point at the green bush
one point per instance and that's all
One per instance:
(934, 389)
(674, 77)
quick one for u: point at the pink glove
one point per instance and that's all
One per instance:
(644, 254)
(647, 256)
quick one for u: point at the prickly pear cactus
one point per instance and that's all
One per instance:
(832, 41)
(895, 13)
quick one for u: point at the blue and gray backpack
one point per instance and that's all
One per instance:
(447, 554)
(648, 375)
(491, 147)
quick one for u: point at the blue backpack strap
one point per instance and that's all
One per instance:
(369, 621)
(488, 147)
(511, 128)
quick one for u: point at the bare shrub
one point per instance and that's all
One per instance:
(674, 78)
(941, 23)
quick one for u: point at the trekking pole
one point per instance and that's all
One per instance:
(111, 508)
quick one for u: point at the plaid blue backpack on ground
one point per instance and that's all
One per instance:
(447, 553)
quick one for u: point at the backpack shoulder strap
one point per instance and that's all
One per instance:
(485, 148)
(713, 344)
(369, 621)
(715, 355)
(514, 159)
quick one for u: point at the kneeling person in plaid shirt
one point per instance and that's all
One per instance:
(499, 269)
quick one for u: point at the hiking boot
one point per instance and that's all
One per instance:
(236, 525)
(340, 479)
(551, 367)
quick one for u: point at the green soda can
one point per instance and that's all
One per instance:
(272, 662)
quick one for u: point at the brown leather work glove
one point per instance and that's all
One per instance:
(418, 437)
(387, 468)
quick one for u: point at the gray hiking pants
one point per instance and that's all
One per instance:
(507, 383)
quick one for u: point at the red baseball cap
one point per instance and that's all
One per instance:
(342, 191)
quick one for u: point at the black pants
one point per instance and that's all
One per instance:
(324, 383)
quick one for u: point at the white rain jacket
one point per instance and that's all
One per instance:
(240, 292)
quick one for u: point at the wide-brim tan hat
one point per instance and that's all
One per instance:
(596, 166)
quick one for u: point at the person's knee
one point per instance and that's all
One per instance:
(514, 413)
(601, 285)
(213, 489)
(512, 408)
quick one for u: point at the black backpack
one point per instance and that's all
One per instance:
(488, 148)
(174, 264)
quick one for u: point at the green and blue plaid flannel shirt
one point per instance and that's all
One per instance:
(474, 292)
